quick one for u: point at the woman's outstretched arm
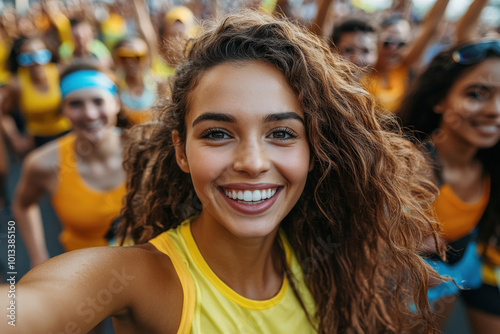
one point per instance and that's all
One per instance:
(38, 176)
(429, 26)
(467, 25)
(75, 291)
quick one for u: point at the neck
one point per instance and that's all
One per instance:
(109, 145)
(380, 66)
(250, 266)
(454, 152)
(133, 79)
(38, 79)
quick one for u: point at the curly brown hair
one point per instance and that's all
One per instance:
(358, 225)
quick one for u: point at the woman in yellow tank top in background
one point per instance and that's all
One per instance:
(271, 192)
(81, 171)
(34, 91)
(138, 85)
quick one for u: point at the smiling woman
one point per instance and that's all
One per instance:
(454, 108)
(256, 142)
(81, 171)
(269, 196)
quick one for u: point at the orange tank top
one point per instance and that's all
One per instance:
(456, 217)
(86, 214)
(41, 109)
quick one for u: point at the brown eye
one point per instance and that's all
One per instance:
(283, 134)
(215, 134)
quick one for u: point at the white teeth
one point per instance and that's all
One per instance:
(247, 196)
(489, 128)
(256, 195)
(250, 196)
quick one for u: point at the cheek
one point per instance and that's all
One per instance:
(293, 164)
(464, 108)
(71, 114)
(372, 57)
(207, 164)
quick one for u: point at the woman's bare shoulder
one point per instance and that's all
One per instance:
(88, 285)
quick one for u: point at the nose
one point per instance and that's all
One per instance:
(252, 158)
(358, 59)
(493, 107)
(91, 112)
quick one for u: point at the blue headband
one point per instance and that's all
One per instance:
(86, 79)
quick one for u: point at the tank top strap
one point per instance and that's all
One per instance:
(217, 308)
(164, 244)
(67, 159)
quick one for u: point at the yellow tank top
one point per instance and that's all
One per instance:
(41, 109)
(456, 217)
(86, 214)
(210, 306)
(5, 47)
(390, 96)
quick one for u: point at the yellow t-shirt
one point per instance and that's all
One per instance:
(389, 95)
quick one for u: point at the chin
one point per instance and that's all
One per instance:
(93, 137)
(252, 229)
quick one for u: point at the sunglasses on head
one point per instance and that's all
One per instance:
(398, 44)
(474, 53)
(40, 57)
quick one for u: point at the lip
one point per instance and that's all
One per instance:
(251, 209)
(249, 186)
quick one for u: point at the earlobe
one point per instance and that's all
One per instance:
(438, 108)
(311, 164)
(180, 153)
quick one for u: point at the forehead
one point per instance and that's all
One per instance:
(82, 27)
(358, 38)
(399, 29)
(485, 73)
(246, 89)
(32, 44)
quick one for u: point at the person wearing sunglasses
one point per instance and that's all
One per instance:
(454, 108)
(398, 53)
(34, 91)
(138, 85)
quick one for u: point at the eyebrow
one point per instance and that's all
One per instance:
(213, 116)
(222, 117)
(274, 117)
(479, 86)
